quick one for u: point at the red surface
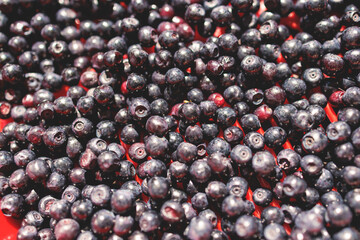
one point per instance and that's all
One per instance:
(9, 226)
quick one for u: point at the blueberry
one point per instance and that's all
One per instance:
(11, 205)
(123, 225)
(218, 162)
(86, 235)
(173, 236)
(339, 214)
(250, 122)
(54, 137)
(346, 232)
(210, 130)
(272, 215)
(32, 218)
(263, 162)
(106, 130)
(255, 141)
(302, 120)
(350, 175)
(352, 201)
(156, 125)
(241, 154)
(218, 145)
(156, 146)
(200, 171)
(293, 186)
(122, 201)
(100, 195)
(158, 187)
(314, 142)
(138, 235)
(151, 168)
(149, 221)
(198, 228)
(325, 182)
(137, 152)
(102, 222)
(275, 137)
(226, 116)
(194, 134)
(60, 209)
(178, 170)
(56, 182)
(262, 197)
(81, 210)
(108, 161)
(220, 14)
(129, 134)
(252, 65)
(247, 226)
(274, 231)
(71, 194)
(38, 170)
(132, 186)
(27, 232)
(233, 206)
(172, 212)
(351, 96)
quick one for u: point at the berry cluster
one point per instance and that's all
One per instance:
(183, 119)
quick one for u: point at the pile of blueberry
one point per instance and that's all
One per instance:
(181, 119)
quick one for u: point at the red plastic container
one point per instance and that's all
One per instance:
(9, 226)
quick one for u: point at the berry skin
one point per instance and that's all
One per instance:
(241, 154)
(108, 161)
(262, 197)
(54, 137)
(123, 225)
(156, 146)
(311, 165)
(226, 116)
(200, 171)
(254, 140)
(275, 137)
(302, 120)
(294, 186)
(251, 65)
(199, 228)
(156, 125)
(250, 122)
(38, 170)
(288, 160)
(81, 210)
(218, 145)
(149, 221)
(314, 142)
(272, 215)
(27, 232)
(263, 162)
(100, 195)
(122, 201)
(232, 206)
(11, 205)
(199, 201)
(246, 226)
(233, 135)
(339, 214)
(275, 231)
(172, 212)
(158, 187)
(102, 222)
(137, 152)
